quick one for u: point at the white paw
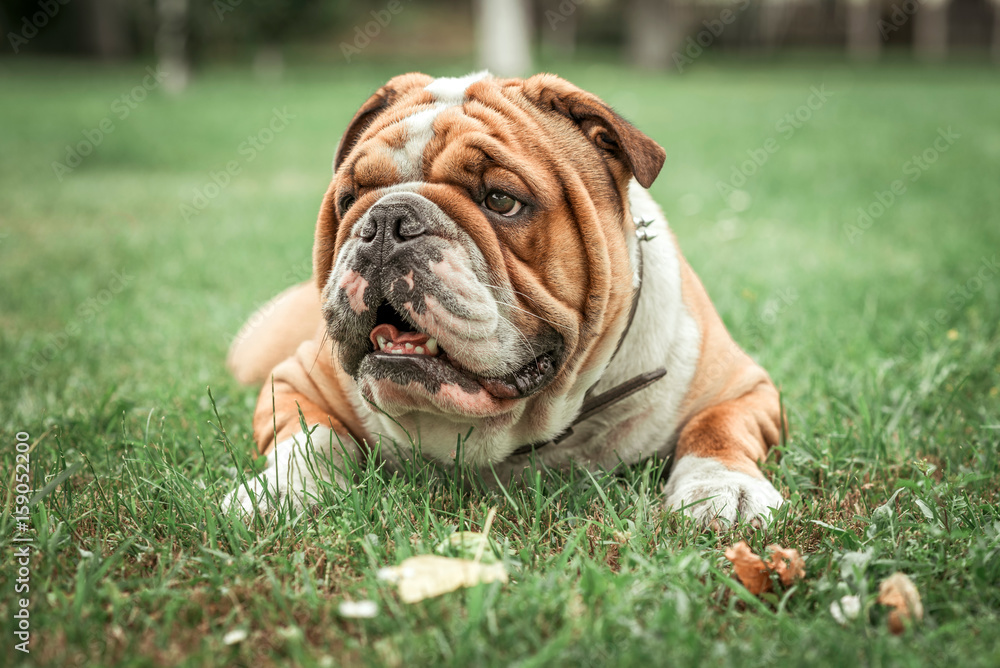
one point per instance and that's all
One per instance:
(708, 491)
(294, 470)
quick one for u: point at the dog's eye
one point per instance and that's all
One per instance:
(502, 203)
(346, 202)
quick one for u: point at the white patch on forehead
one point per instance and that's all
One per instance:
(451, 90)
(448, 92)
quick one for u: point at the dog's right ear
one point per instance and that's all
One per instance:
(375, 105)
(608, 131)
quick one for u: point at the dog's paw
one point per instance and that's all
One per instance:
(708, 491)
(254, 495)
(294, 470)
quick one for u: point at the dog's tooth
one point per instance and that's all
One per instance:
(419, 350)
(396, 351)
(432, 346)
(409, 347)
(381, 342)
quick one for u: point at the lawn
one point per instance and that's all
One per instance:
(126, 275)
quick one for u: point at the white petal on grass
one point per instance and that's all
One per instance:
(358, 609)
(847, 608)
(234, 636)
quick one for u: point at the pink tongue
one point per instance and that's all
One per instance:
(390, 333)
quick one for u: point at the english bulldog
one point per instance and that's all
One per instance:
(490, 272)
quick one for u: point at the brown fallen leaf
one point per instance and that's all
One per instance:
(755, 573)
(787, 563)
(749, 568)
(898, 592)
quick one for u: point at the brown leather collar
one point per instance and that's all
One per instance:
(595, 404)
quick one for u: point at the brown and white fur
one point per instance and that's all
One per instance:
(529, 312)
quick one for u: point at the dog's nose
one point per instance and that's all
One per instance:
(390, 224)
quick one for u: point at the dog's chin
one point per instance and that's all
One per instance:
(405, 381)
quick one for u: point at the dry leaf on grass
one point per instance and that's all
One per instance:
(787, 563)
(898, 592)
(755, 573)
(428, 575)
(749, 568)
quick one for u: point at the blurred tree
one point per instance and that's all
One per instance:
(107, 28)
(775, 17)
(267, 27)
(503, 34)
(930, 30)
(655, 30)
(559, 22)
(171, 43)
(863, 39)
(996, 32)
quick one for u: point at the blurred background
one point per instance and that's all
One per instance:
(184, 35)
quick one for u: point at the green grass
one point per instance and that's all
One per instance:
(600, 574)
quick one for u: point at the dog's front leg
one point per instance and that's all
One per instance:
(296, 469)
(716, 473)
(303, 425)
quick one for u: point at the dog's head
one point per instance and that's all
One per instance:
(473, 252)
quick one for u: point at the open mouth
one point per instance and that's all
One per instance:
(396, 342)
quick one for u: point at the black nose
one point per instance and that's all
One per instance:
(390, 224)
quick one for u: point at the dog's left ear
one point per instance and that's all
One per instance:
(599, 122)
(394, 89)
